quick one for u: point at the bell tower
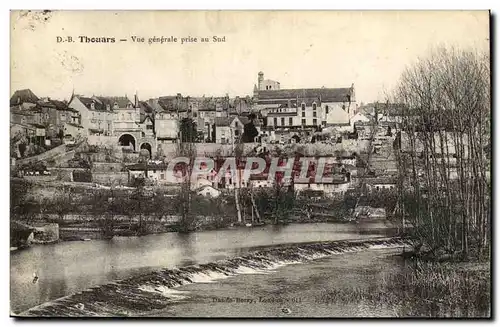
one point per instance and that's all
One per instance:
(260, 81)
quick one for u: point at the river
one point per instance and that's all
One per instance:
(69, 267)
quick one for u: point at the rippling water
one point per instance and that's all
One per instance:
(70, 267)
(292, 291)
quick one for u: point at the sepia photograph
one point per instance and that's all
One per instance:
(250, 164)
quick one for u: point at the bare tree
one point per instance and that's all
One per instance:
(441, 149)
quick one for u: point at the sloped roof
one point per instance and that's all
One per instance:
(87, 102)
(45, 104)
(243, 119)
(101, 103)
(37, 125)
(240, 105)
(60, 105)
(203, 187)
(322, 94)
(143, 118)
(122, 102)
(145, 107)
(173, 103)
(21, 96)
(208, 104)
(74, 125)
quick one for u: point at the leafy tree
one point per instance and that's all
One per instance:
(249, 131)
(188, 131)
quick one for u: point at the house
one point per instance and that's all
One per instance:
(97, 114)
(155, 172)
(229, 129)
(381, 183)
(207, 112)
(359, 117)
(20, 116)
(240, 106)
(176, 104)
(337, 186)
(24, 98)
(259, 181)
(365, 130)
(208, 191)
(72, 130)
(166, 122)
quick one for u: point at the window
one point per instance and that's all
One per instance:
(303, 113)
(303, 106)
(275, 121)
(303, 121)
(290, 121)
(162, 176)
(315, 122)
(326, 110)
(149, 126)
(236, 132)
(154, 171)
(314, 113)
(222, 140)
(314, 106)
(282, 121)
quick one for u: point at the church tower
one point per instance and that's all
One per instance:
(260, 81)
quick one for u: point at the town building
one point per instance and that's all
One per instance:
(208, 191)
(303, 108)
(229, 129)
(265, 84)
(380, 183)
(337, 186)
(97, 114)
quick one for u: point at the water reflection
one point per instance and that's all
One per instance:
(187, 245)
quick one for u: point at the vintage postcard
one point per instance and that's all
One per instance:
(250, 164)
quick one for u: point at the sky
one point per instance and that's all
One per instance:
(305, 49)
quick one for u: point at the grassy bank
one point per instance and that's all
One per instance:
(426, 289)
